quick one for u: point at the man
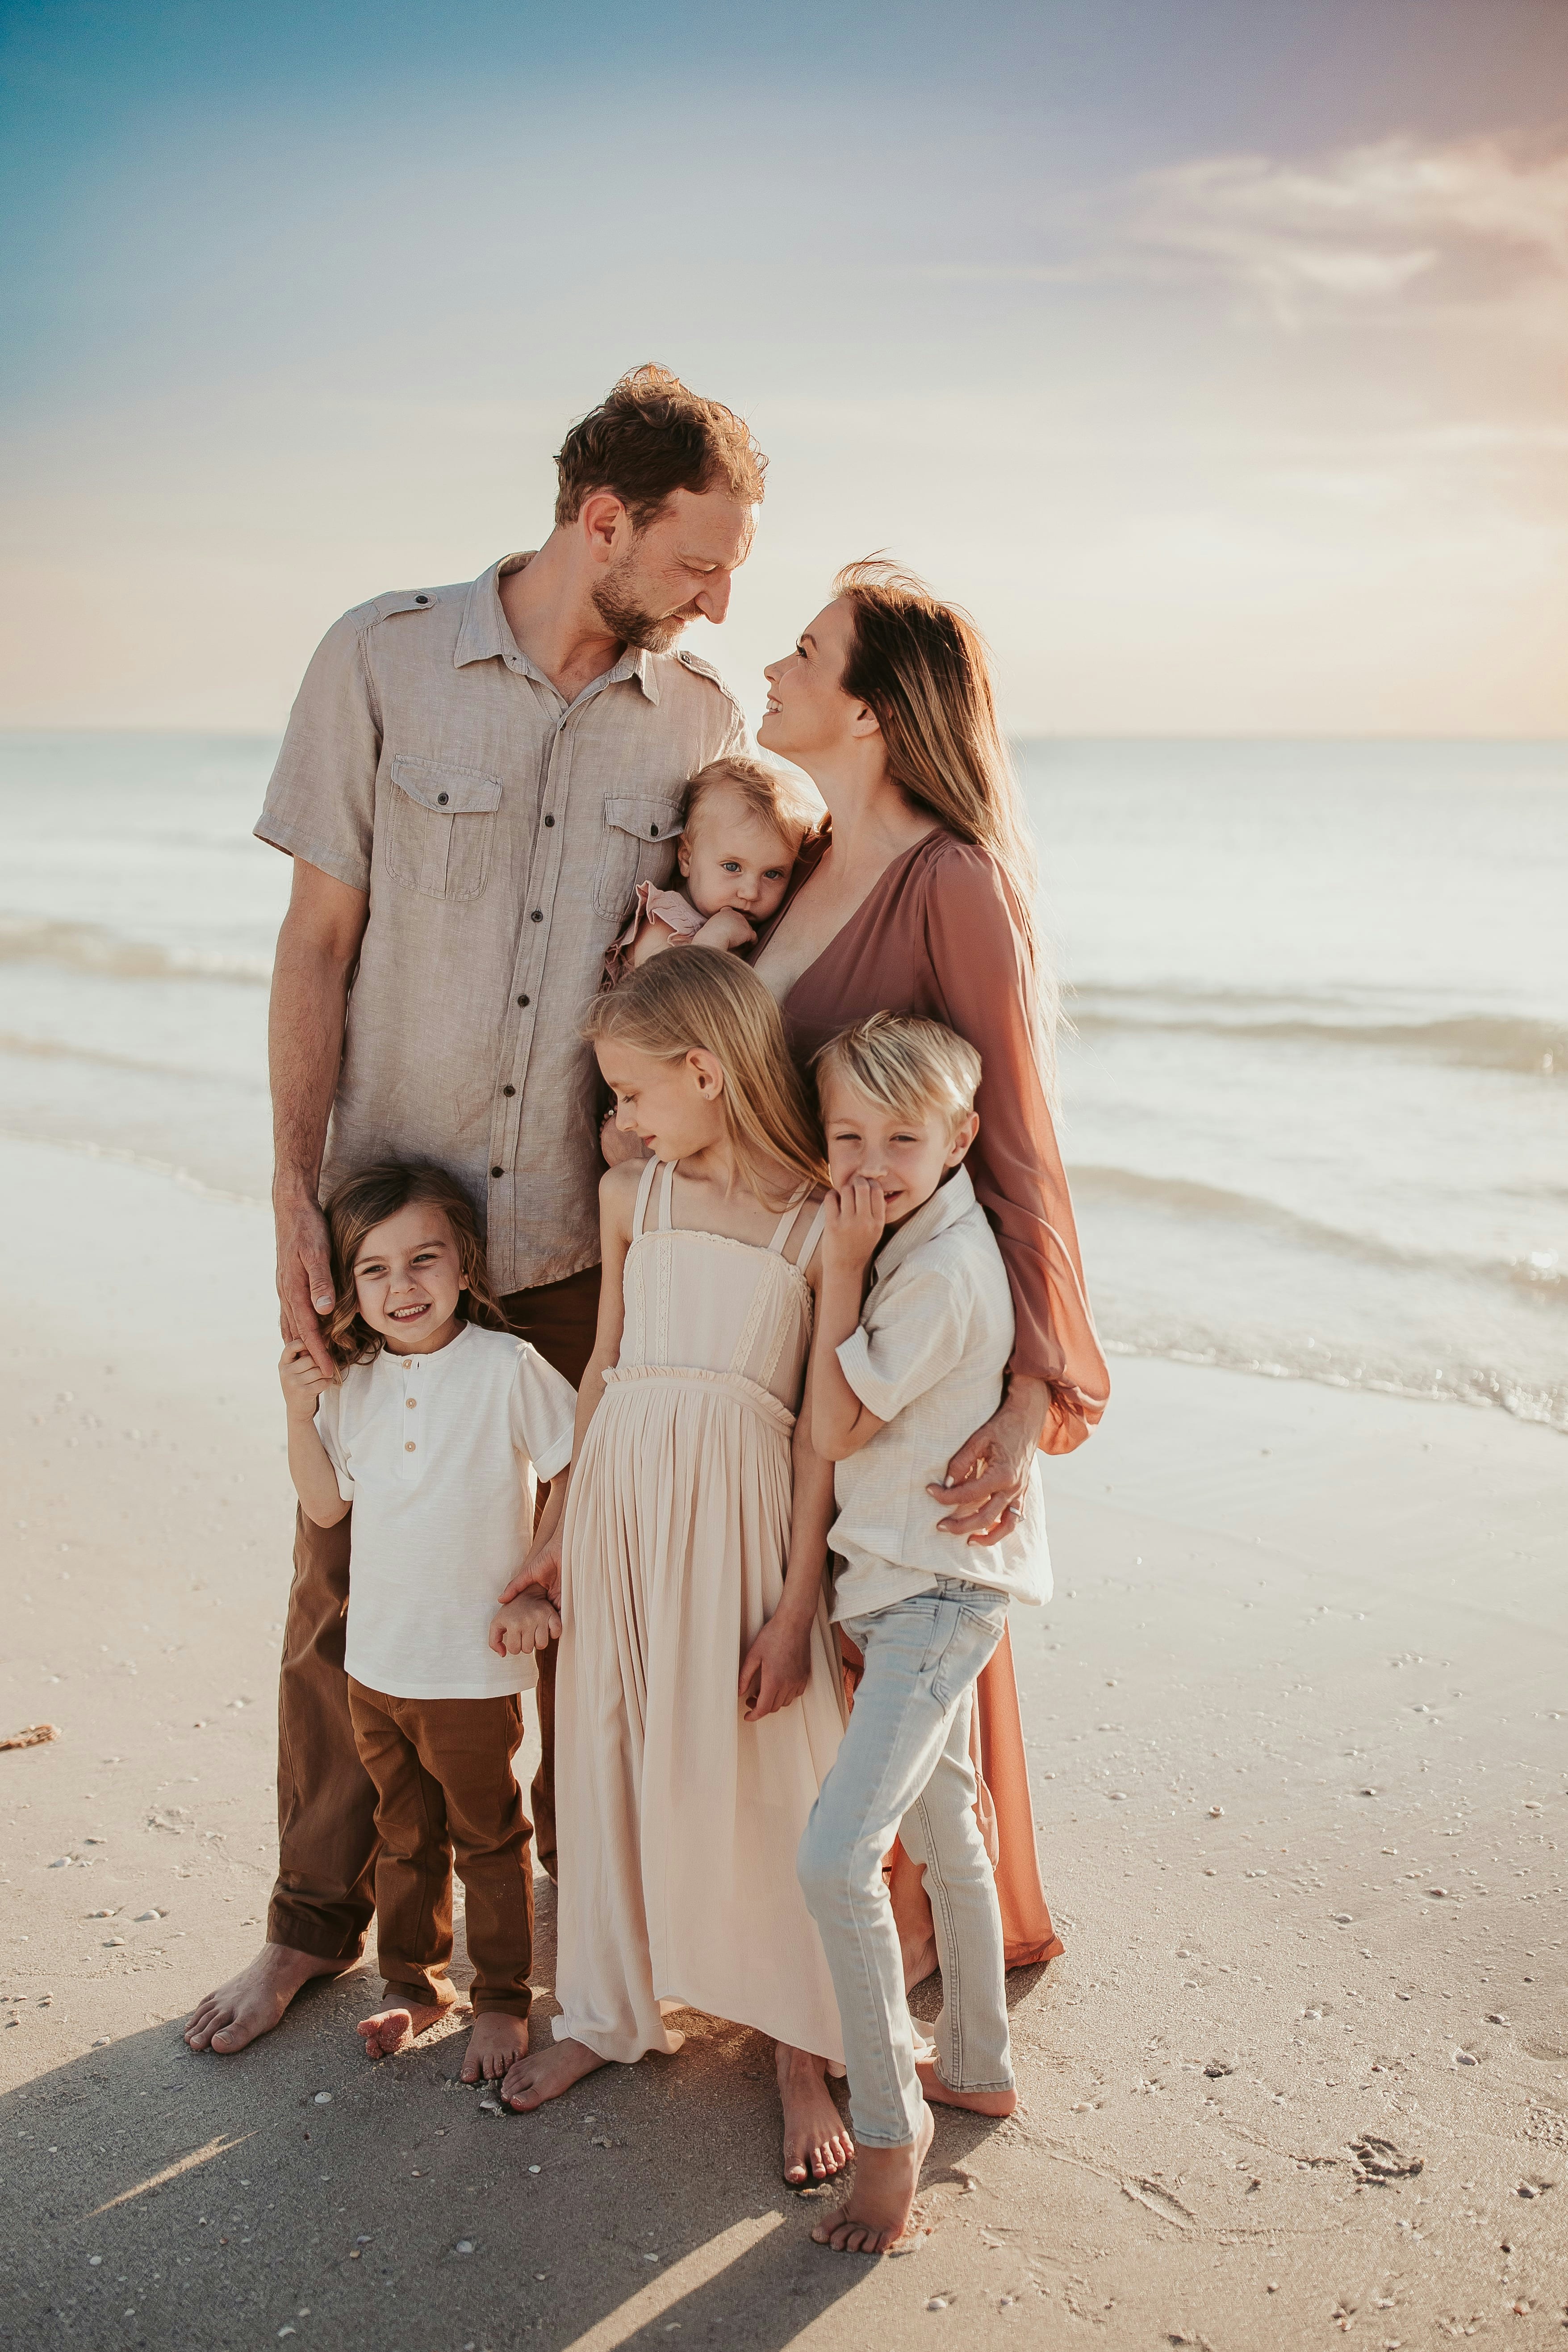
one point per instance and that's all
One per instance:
(473, 782)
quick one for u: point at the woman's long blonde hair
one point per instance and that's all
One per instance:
(924, 669)
(693, 998)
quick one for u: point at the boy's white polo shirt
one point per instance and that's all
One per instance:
(929, 1358)
(439, 1455)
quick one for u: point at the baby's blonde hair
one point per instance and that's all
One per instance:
(902, 1063)
(764, 791)
(688, 998)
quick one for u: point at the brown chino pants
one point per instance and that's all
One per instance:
(445, 1788)
(325, 1890)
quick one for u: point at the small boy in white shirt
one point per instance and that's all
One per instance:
(896, 1385)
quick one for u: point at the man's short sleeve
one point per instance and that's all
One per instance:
(907, 1340)
(321, 803)
(543, 1408)
(329, 1430)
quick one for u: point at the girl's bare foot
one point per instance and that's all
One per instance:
(252, 2002)
(816, 2142)
(545, 2074)
(495, 2043)
(978, 2103)
(876, 2213)
(395, 2029)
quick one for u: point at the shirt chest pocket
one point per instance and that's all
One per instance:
(440, 828)
(641, 832)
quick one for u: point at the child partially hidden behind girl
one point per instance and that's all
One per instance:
(435, 1430)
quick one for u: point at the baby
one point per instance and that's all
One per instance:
(744, 824)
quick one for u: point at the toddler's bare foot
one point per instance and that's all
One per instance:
(251, 2003)
(978, 2103)
(545, 2074)
(395, 2029)
(816, 2142)
(495, 2043)
(874, 2215)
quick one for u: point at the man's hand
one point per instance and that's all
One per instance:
(989, 1475)
(777, 1667)
(305, 1291)
(856, 1220)
(528, 1623)
(302, 1380)
(726, 929)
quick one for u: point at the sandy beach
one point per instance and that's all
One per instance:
(1296, 1720)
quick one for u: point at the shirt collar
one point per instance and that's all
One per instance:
(947, 1204)
(485, 635)
(442, 1356)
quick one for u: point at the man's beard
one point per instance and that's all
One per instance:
(619, 610)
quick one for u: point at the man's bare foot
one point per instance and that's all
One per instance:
(495, 2043)
(545, 2074)
(400, 2026)
(876, 2213)
(816, 2142)
(978, 2103)
(252, 2002)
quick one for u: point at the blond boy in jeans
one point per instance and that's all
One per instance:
(900, 1372)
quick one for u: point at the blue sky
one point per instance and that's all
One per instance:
(1212, 353)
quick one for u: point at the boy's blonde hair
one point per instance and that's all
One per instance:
(766, 792)
(690, 998)
(902, 1063)
(366, 1199)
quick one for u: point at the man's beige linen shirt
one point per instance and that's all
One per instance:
(499, 834)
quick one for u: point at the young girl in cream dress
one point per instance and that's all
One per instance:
(699, 1700)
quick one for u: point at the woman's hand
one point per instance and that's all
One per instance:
(541, 1569)
(777, 1667)
(989, 1475)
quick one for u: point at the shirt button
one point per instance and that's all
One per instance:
(654, 830)
(524, 1000)
(537, 916)
(508, 1090)
(411, 1402)
(442, 798)
(409, 1446)
(422, 600)
(498, 1171)
(550, 819)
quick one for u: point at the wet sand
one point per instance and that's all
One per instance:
(1296, 1731)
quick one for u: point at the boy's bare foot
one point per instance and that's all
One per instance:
(495, 2043)
(252, 2002)
(397, 2028)
(816, 2142)
(978, 2103)
(545, 2074)
(874, 2215)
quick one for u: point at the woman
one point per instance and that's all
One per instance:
(920, 898)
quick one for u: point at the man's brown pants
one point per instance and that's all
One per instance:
(445, 1788)
(325, 1890)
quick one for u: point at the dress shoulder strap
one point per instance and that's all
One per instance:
(665, 1197)
(644, 1188)
(782, 1230)
(812, 1235)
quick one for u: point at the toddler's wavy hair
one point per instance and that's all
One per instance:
(764, 791)
(366, 1199)
(690, 998)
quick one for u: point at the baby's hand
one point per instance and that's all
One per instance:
(856, 1220)
(727, 928)
(528, 1622)
(302, 1379)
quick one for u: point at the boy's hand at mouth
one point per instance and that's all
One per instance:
(857, 1218)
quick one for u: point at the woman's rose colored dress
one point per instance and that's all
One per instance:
(938, 934)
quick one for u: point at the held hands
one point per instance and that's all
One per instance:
(856, 1219)
(302, 1379)
(528, 1622)
(540, 1572)
(727, 928)
(777, 1667)
(305, 1291)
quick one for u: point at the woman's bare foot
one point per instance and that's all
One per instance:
(545, 2074)
(978, 2103)
(251, 2003)
(495, 2043)
(399, 2027)
(876, 2213)
(816, 2142)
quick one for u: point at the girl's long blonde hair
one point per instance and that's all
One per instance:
(693, 998)
(924, 669)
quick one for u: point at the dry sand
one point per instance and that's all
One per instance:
(1296, 1731)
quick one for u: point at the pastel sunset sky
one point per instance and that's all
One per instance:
(1213, 351)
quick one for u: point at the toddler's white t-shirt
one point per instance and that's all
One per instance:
(439, 1455)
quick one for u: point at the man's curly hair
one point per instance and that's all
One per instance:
(651, 437)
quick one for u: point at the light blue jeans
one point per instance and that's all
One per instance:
(903, 1770)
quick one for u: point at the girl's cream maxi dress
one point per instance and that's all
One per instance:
(677, 1822)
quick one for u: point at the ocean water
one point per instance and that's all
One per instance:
(1315, 1099)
